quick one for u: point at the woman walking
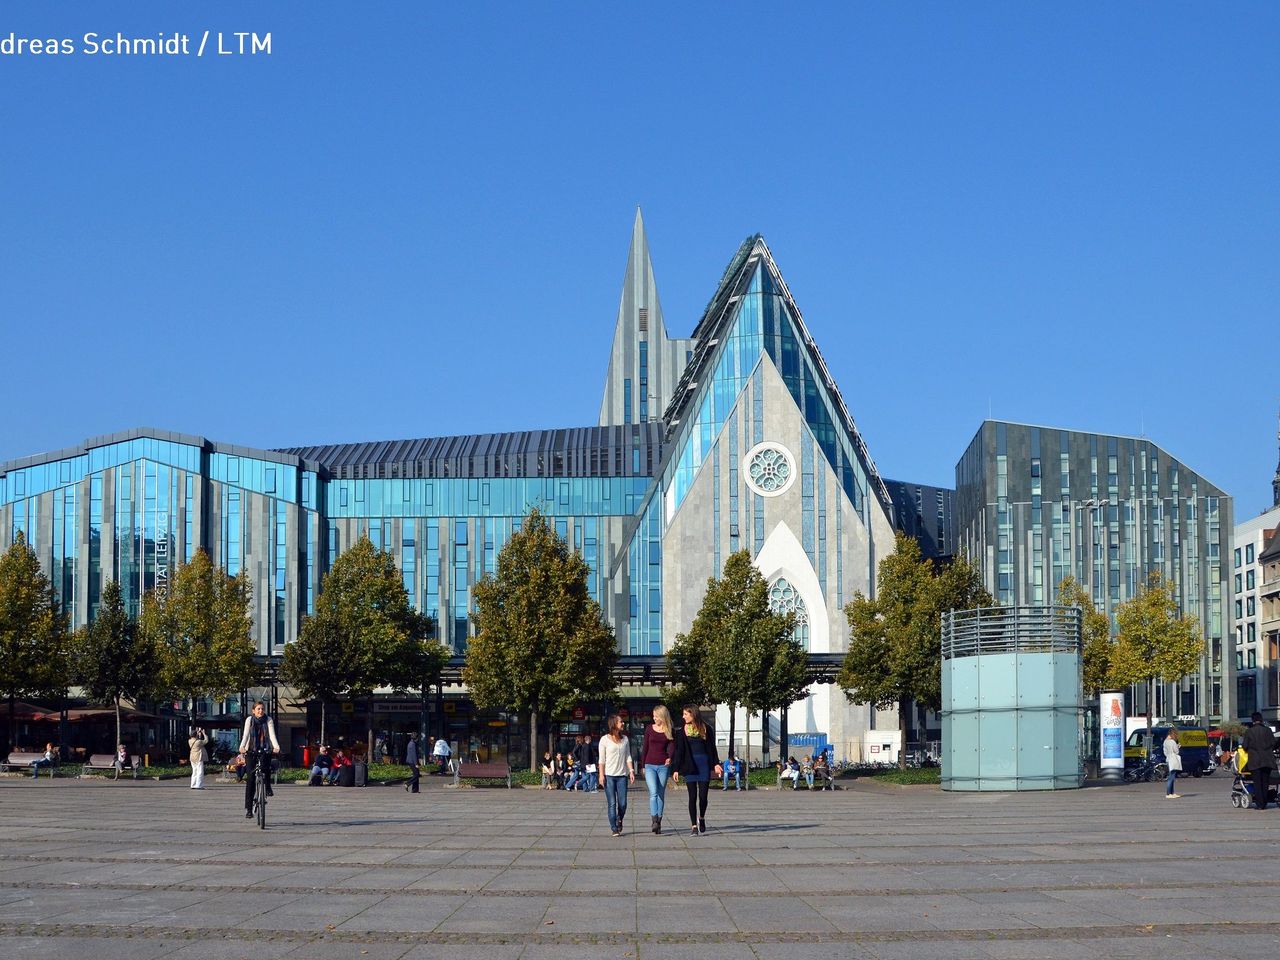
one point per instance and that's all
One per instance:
(616, 772)
(1174, 760)
(694, 758)
(659, 745)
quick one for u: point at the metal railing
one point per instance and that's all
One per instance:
(1043, 629)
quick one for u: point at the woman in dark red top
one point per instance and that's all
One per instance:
(656, 757)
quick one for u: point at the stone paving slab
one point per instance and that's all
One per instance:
(153, 870)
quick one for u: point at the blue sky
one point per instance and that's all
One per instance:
(412, 219)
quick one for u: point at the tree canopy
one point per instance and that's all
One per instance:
(364, 634)
(1097, 647)
(541, 646)
(110, 659)
(739, 650)
(1154, 642)
(201, 631)
(33, 630)
(895, 645)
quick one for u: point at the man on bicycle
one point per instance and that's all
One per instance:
(258, 743)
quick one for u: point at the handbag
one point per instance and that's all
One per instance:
(591, 768)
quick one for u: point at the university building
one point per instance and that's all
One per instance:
(1037, 504)
(736, 437)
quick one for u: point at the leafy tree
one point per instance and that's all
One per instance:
(541, 646)
(895, 648)
(201, 632)
(1095, 628)
(33, 631)
(110, 659)
(364, 634)
(1154, 642)
(738, 650)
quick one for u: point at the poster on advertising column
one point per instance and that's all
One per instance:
(1112, 725)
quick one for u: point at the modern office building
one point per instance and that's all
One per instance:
(927, 514)
(1036, 504)
(734, 438)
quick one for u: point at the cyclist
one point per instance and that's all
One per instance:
(259, 742)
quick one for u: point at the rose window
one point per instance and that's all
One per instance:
(770, 469)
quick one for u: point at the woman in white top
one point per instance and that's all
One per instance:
(1173, 758)
(616, 772)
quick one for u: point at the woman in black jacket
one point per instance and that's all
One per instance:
(694, 759)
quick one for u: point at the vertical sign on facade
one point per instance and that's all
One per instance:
(1111, 703)
(162, 554)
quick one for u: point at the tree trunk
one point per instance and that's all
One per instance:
(733, 720)
(783, 734)
(533, 740)
(1151, 710)
(322, 712)
(114, 745)
(13, 705)
(903, 710)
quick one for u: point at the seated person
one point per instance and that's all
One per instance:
(340, 760)
(123, 760)
(236, 765)
(49, 759)
(320, 769)
(732, 771)
(822, 769)
(791, 771)
(571, 773)
(548, 772)
(806, 770)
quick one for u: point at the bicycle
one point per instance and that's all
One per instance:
(261, 771)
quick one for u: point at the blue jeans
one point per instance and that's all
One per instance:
(1173, 775)
(655, 775)
(570, 780)
(37, 764)
(615, 795)
(735, 777)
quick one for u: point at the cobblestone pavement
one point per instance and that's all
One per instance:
(103, 870)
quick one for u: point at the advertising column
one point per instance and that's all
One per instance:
(1112, 727)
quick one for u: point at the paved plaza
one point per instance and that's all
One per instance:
(102, 870)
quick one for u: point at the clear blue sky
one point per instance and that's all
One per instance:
(412, 219)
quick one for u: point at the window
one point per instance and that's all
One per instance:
(1239, 610)
(1237, 557)
(1253, 659)
(784, 598)
(1250, 608)
(1249, 581)
(1239, 586)
(1248, 553)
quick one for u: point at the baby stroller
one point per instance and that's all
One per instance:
(1242, 782)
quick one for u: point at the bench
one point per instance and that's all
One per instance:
(21, 761)
(107, 761)
(482, 771)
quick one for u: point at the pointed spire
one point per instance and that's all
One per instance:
(1275, 482)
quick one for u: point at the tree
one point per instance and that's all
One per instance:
(110, 659)
(738, 650)
(364, 634)
(895, 648)
(33, 631)
(1097, 647)
(1153, 641)
(541, 646)
(201, 632)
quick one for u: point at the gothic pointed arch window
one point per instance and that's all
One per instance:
(785, 598)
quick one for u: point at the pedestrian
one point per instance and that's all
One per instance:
(659, 745)
(590, 764)
(694, 758)
(1174, 761)
(411, 758)
(198, 744)
(1260, 744)
(617, 771)
(258, 746)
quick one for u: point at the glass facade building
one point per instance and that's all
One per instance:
(1036, 504)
